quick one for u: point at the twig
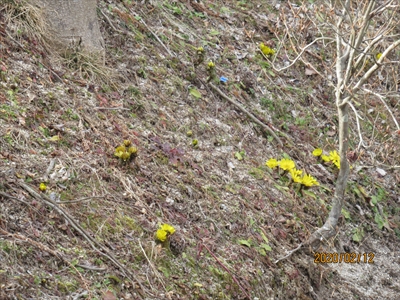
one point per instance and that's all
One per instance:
(109, 22)
(80, 200)
(290, 253)
(93, 243)
(20, 237)
(111, 108)
(158, 39)
(226, 269)
(249, 114)
(44, 65)
(361, 143)
(152, 266)
(386, 106)
(91, 268)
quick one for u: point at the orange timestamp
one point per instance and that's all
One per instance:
(349, 258)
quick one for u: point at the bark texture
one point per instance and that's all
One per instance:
(74, 22)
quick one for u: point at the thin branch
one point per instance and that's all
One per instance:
(152, 266)
(358, 126)
(227, 270)
(386, 106)
(249, 114)
(369, 73)
(158, 39)
(93, 243)
(290, 253)
(301, 53)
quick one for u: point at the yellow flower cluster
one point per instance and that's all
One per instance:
(42, 187)
(126, 151)
(164, 232)
(289, 165)
(333, 156)
(266, 50)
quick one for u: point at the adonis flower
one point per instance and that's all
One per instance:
(335, 158)
(164, 232)
(317, 152)
(42, 187)
(272, 163)
(286, 164)
(296, 175)
(326, 158)
(308, 181)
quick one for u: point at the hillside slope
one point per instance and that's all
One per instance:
(200, 164)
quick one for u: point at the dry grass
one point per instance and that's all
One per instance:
(227, 212)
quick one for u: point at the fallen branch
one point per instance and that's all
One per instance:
(290, 253)
(93, 243)
(249, 114)
(227, 270)
(42, 247)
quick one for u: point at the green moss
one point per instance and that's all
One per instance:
(67, 286)
(257, 173)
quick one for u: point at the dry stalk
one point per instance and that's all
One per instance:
(249, 114)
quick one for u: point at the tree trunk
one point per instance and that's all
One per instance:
(74, 23)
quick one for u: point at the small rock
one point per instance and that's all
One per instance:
(381, 172)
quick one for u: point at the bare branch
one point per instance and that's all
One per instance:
(361, 143)
(301, 53)
(386, 106)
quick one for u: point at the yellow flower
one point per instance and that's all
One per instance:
(378, 55)
(267, 50)
(317, 152)
(119, 151)
(168, 228)
(335, 158)
(295, 174)
(272, 163)
(337, 164)
(125, 156)
(286, 164)
(164, 232)
(210, 65)
(42, 187)
(308, 181)
(161, 235)
(127, 143)
(132, 150)
(326, 158)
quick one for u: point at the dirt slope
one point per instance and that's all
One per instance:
(200, 164)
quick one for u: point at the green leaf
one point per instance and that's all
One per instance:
(214, 32)
(271, 73)
(264, 237)
(346, 214)
(266, 247)
(54, 138)
(311, 194)
(238, 156)
(358, 234)
(379, 220)
(281, 188)
(195, 93)
(245, 243)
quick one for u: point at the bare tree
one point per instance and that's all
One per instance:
(365, 34)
